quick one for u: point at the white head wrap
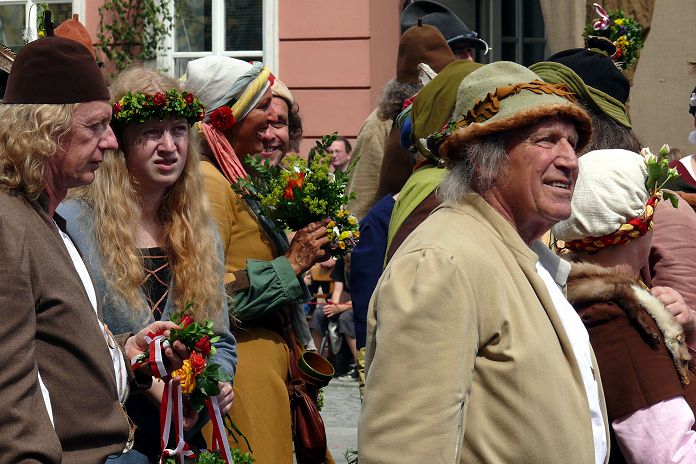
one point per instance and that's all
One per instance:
(609, 192)
(215, 80)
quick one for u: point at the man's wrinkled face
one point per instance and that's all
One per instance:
(276, 140)
(81, 151)
(536, 186)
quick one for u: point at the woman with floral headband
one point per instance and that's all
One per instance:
(261, 268)
(147, 235)
(639, 335)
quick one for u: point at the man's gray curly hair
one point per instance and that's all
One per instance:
(475, 169)
(393, 96)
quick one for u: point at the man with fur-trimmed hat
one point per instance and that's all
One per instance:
(471, 303)
(64, 376)
(603, 91)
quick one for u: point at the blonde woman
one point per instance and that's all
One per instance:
(145, 230)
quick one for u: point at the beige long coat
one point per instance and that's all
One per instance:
(467, 359)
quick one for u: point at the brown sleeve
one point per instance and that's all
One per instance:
(239, 284)
(397, 166)
(26, 433)
(634, 374)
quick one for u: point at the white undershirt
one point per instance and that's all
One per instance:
(116, 355)
(580, 341)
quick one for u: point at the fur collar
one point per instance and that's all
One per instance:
(589, 284)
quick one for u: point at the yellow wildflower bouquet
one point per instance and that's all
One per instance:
(299, 192)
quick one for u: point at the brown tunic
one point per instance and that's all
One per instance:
(49, 327)
(637, 370)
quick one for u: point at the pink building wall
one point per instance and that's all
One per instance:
(334, 55)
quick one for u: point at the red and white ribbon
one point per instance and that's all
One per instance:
(219, 439)
(173, 409)
(603, 22)
(157, 343)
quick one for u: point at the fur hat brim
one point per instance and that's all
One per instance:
(451, 148)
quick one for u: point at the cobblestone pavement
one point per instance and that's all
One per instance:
(340, 414)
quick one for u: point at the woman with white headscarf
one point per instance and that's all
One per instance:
(263, 272)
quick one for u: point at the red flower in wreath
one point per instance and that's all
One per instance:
(159, 99)
(197, 362)
(203, 345)
(189, 98)
(117, 108)
(222, 118)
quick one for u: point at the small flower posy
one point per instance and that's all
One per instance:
(142, 107)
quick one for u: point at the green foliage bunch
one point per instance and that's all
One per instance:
(297, 192)
(132, 30)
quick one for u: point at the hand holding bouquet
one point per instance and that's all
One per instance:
(297, 193)
(198, 380)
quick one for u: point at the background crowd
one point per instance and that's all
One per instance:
(522, 290)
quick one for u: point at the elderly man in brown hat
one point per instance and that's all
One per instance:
(63, 375)
(499, 366)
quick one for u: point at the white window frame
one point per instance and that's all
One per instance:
(269, 13)
(31, 7)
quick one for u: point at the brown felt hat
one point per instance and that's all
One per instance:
(73, 29)
(55, 70)
(421, 44)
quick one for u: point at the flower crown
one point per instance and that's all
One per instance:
(142, 107)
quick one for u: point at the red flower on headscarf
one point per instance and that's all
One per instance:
(222, 118)
(159, 99)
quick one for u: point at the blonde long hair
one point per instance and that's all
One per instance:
(184, 217)
(30, 135)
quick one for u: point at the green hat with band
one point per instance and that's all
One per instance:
(559, 73)
(505, 96)
(435, 102)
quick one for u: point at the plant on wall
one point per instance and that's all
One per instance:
(131, 30)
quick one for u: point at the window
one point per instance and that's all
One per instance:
(515, 28)
(15, 15)
(242, 29)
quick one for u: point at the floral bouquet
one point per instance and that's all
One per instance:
(625, 33)
(198, 380)
(299, 192)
